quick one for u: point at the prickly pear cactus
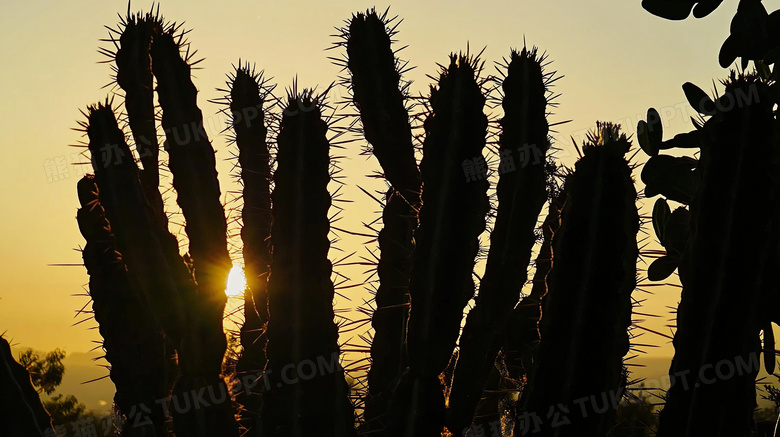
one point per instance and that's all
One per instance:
(720, 315)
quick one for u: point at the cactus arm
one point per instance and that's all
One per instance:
(247, 95)
(301, 330)
(451, 220)
(587, 310)
(521, 194)
(192, 163)
(255, 160)
(151, 255)
(134, 76)
(133, 342)
(376, 93)
(375, 84)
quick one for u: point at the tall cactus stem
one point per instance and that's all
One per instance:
(155, 267)
(132, 340)
(521, 192)
(247, 96)
(724, 274)
(134, 76)
(302, 334)
(587, 310)
(379, 96)
(451, 220)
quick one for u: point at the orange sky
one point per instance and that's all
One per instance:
(617, 59)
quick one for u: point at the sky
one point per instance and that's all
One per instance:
(617, 61)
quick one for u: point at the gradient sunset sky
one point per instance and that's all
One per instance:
(617, 59)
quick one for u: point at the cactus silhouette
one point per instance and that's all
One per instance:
(134, 344)
(521, 192)
(21, 411)
(246, 97)
(187, 298)
(423, 381)
(375, 82)
(451, 219)
(312, 398)
(720, 315)
(157, 270)
(587, 310)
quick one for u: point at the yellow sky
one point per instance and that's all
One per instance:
(617, 59)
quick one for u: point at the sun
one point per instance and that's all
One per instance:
(236, 282)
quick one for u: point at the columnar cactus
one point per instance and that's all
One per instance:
(156, 270)
(132, 339)
(246, 97)
(451, 220)
(587, 310)
(425, 271)
(379, 95)
(307, 394)
(375, 82)
(192, 163)
(187, 299)
(521, 192)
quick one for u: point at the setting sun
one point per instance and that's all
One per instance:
(236, 282)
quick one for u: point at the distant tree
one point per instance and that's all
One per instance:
(65, 408)
(46, 373)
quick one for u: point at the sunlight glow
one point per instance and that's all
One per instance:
(236, 282)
